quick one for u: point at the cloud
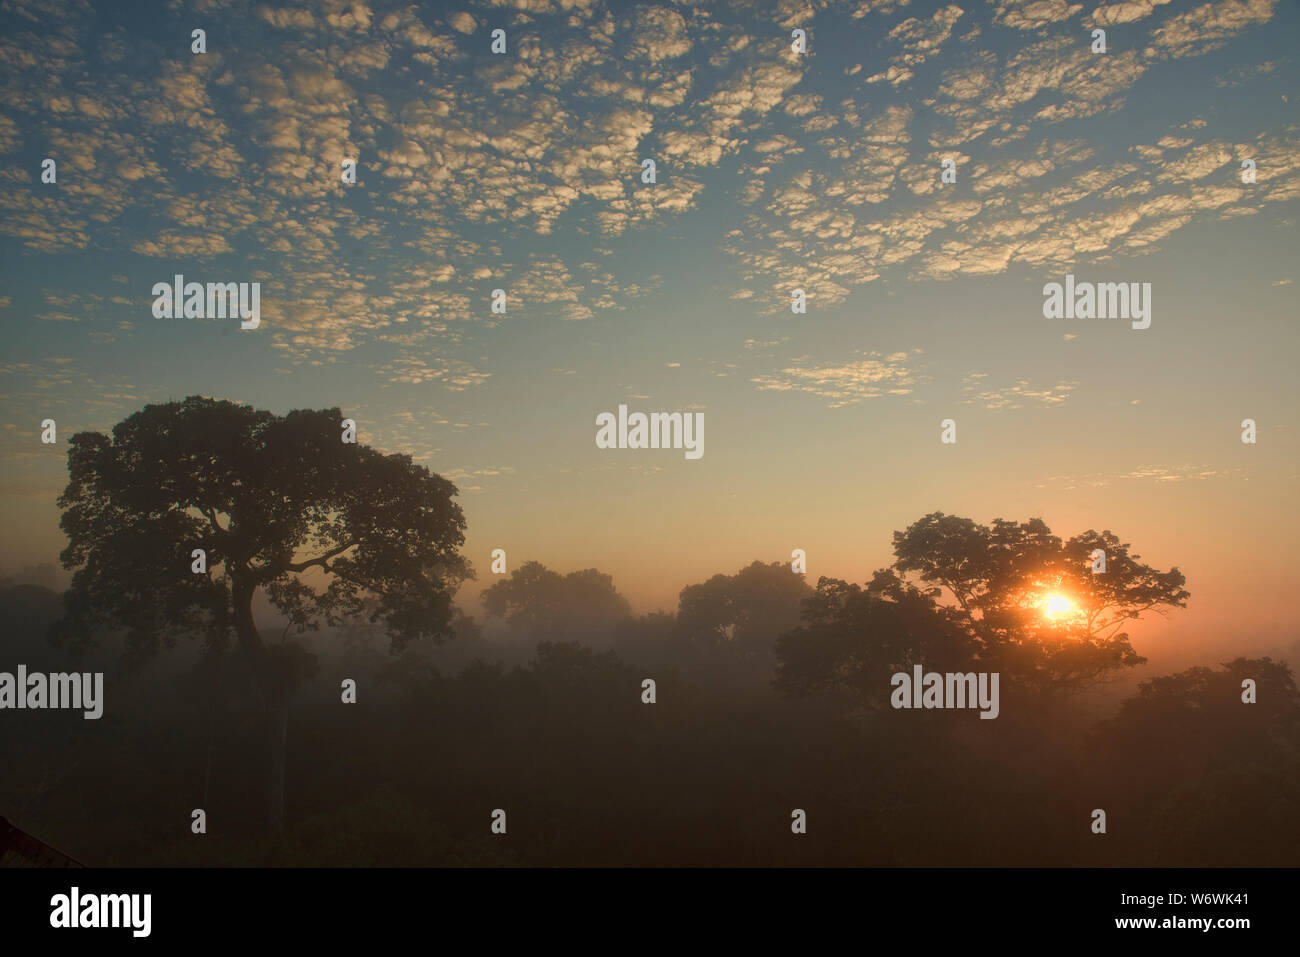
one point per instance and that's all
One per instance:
(871, 377)
(1013, 396)
(1127, 11)
(1033, 14)
(655, 34)
(462, 22)
(1164, 474)
(1206, 27)
(921, 38)
(469, 165)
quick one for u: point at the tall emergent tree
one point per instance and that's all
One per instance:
(327, 529)
(1012, 597)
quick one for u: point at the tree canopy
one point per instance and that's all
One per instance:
(960, 594)
(269, 499)
(549, 606)
(746, 610)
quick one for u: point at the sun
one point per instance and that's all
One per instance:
(1056, 605)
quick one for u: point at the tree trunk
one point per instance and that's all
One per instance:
(275, 693)
(250, 640)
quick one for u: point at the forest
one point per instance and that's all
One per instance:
(315, 689)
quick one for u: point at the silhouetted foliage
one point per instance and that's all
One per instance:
(545, 605)
(255, 491)
(267, 498)
(855, 638)
(976, 606)
(589, 774)
(1193, 767)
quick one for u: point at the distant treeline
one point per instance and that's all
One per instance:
(770, 697)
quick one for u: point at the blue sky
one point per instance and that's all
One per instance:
(776, 171)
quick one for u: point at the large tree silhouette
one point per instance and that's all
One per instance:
(961, 594)
(996, 576)
(276, 502)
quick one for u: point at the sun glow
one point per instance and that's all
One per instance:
(1056, 606)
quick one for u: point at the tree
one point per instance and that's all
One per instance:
(549, 606)
(730, 623)
(1186, 724)
(1205, 777)
(1001, 576)
(1011, 598)
(746, 610)
(853, 638)
(273, 501)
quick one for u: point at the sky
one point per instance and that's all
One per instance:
(775, 170)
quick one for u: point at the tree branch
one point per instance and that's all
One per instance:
(303, 566)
